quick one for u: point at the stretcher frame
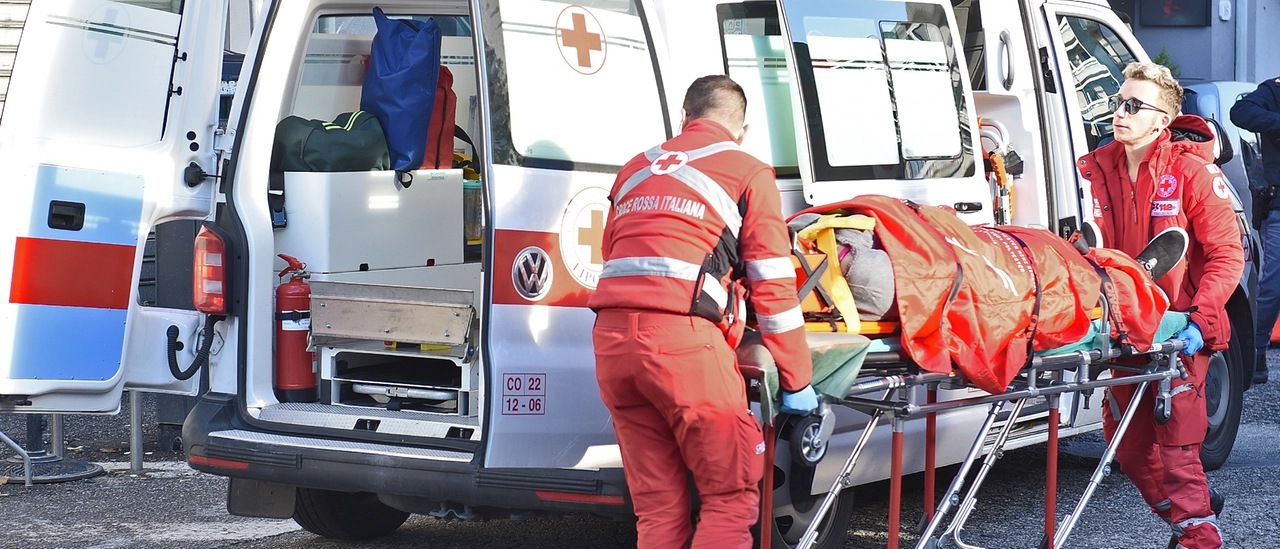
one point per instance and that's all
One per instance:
(894, 375)
(1044, 377)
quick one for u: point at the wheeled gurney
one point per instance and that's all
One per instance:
(867, 366)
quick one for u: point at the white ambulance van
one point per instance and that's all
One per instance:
(452, 359)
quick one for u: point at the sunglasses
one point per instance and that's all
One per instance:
(1131, 105)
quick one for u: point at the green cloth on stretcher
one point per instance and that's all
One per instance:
(837, 360)
(1171, 324)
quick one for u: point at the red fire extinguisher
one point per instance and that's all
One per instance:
(295, 366)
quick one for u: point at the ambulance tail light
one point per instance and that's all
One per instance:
(210, 289)
(216, 462)
(574, 497)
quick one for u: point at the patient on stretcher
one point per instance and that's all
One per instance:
(976, 299)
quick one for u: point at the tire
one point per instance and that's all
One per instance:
(1224, 401)
(345, 515)
(794, 509)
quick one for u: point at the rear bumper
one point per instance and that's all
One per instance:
(219, 442)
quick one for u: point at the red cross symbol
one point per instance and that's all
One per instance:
(669, 162)
(579, 39)
(580, 32)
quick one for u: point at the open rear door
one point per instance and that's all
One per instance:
(109, 105)
(883, 104)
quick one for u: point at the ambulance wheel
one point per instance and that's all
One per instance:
(794, 508)
(1224, 387)
(803, 433)
(345, 515)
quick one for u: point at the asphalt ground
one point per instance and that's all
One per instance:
(170, 505)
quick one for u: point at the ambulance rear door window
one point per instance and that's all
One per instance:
(755, 58)
(580, 82)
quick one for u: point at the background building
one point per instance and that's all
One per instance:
(1210, 39)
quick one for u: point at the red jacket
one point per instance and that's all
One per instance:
(690, 220)
(1178, 186)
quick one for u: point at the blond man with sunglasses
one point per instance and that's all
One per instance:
(1159, 174)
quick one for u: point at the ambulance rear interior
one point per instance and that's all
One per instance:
(374, 236)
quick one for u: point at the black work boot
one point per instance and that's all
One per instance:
(1216, 502)
(1260, 370)
(1163, 252)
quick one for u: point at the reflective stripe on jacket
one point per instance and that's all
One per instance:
(690, 220)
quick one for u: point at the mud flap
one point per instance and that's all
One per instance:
(258, 498)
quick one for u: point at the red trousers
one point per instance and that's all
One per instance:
(679, 406)
(1163, 461)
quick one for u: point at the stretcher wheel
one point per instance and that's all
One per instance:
(804, 436)
(1163, 411)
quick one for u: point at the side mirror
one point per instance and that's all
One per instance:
(1222, 145)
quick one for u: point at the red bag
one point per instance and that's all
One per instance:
(439, 154)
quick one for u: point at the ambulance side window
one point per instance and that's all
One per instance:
(171, 6)
(1098, 58)
(579, 84)
(755, 57)
(883, 92)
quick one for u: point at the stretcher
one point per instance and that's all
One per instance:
(869, 372)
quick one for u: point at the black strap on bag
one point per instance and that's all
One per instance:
(275, 200)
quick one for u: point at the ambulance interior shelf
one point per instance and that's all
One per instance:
(396, 347)
(348, 222)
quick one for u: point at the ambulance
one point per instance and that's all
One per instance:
(451, 370)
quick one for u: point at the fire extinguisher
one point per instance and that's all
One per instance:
(295, 366)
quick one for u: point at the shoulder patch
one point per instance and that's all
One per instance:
(1167, 186)
(668, 162)
(1212, 168)
(1220, 188)
(1166, 208)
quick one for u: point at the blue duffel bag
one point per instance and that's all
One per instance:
(400, 86)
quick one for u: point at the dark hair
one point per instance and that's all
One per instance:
(715, 96)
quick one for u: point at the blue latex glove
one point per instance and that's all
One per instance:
(1193, 337)
(800, 403)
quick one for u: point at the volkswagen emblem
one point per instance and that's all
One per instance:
(531, 273)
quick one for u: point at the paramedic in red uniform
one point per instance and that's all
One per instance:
(1159, 173)
(692, 220)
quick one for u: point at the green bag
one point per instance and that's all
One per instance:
(353, 142)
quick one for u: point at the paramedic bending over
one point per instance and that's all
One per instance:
(1159, 173)
(691, 219)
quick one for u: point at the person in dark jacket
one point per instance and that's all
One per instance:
(1260, 112)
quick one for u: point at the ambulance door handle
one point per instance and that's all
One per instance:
(1006, 60)
(966, 207)
(67, 216)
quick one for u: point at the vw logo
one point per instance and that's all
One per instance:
(531, 273)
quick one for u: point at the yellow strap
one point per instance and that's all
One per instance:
(833, 279)
(834, 221)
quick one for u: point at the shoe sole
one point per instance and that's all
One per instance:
(1164, 252)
